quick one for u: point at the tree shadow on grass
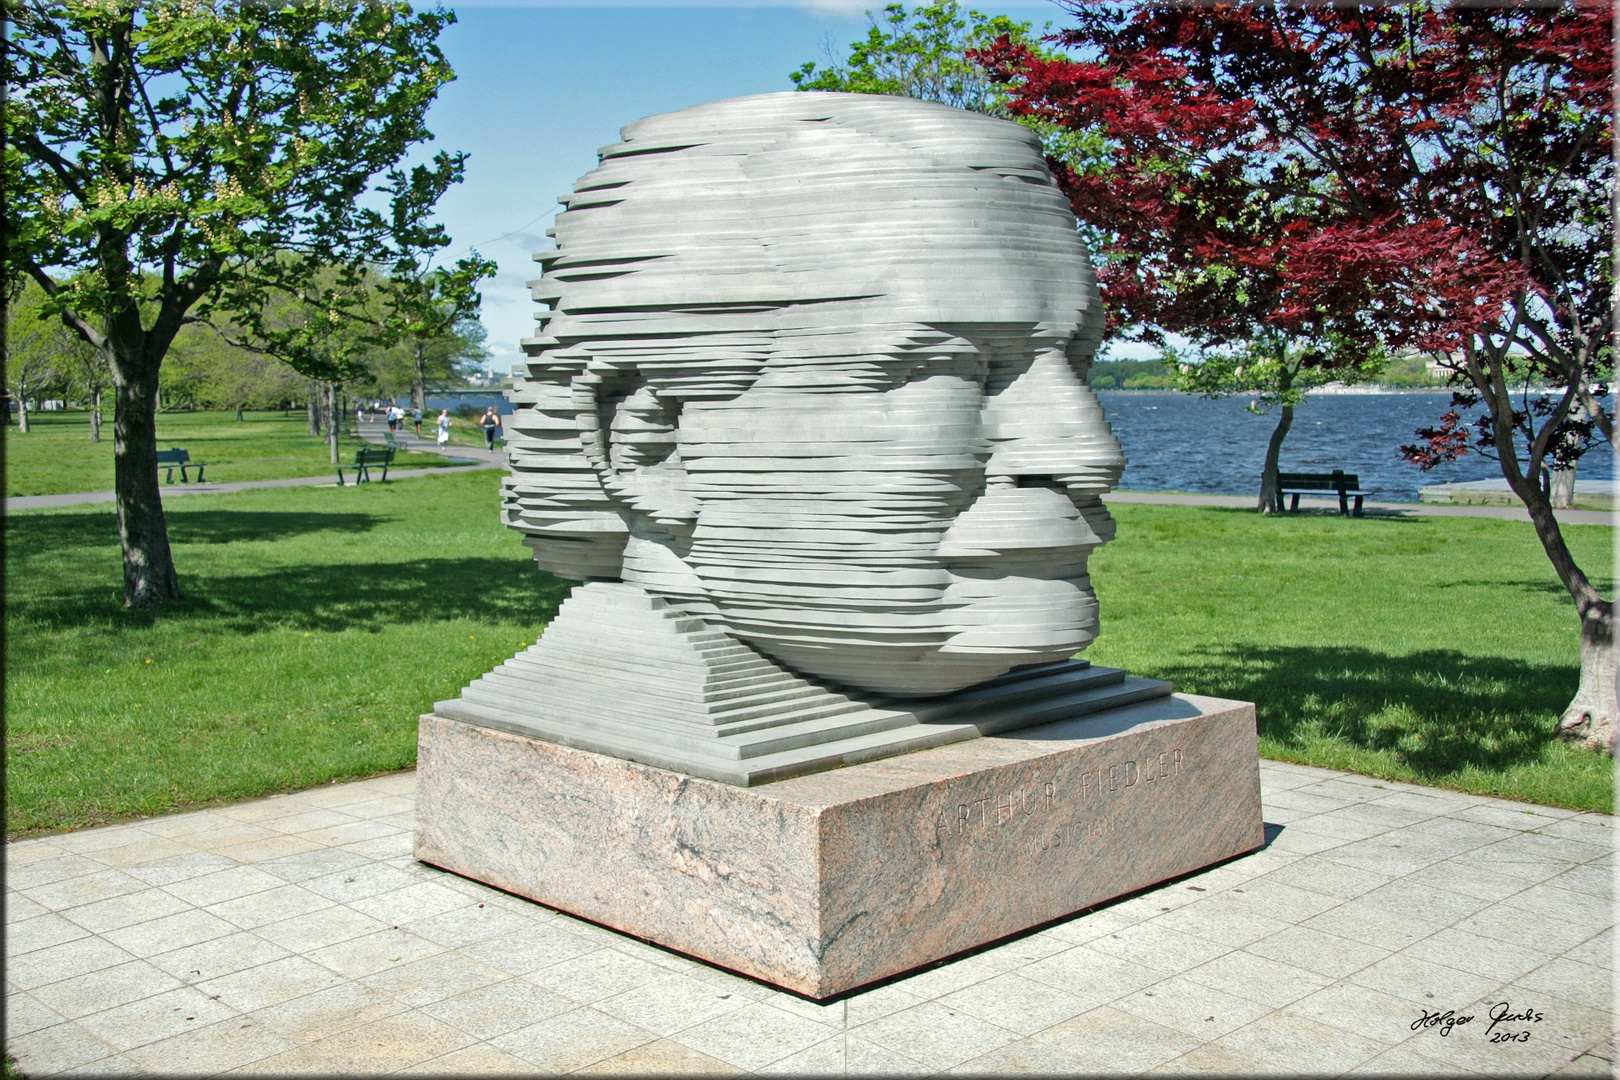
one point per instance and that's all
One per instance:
(344, 596)
(1437, 711)
(29, 535)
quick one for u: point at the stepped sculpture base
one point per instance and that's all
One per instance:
(621, 672)
(823, 883)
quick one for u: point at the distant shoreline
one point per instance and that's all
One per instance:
(1325, 390)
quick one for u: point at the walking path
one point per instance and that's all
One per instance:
(1371, 509)
(371, 430)
(298, 934)
(483, 459)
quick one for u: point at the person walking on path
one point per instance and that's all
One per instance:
(416, 418)
(491, 424)
(393, 417)
(444, 426)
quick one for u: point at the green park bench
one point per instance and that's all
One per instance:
(365, 459)
(176, 458)
(1345, 485)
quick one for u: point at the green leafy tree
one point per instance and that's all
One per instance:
(921, 54)
(40, 352)
(168, 158)
(433, 310)
(1280, 370)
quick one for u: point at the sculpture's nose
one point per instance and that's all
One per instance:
(1045, 427)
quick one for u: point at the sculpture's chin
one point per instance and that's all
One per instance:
(900, 672)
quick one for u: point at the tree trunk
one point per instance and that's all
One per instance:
(1560, 487)
(312, 406)
(5, 404)
(149, 575)
(95, 416)
(419, 377)
(332, 420)
(1589, 720)
(239, 413)
(1268, 473)
(22, 414)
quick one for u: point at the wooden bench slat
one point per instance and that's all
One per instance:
(176, 458)
(364, 458)
(1345, 485)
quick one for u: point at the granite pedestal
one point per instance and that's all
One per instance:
(827, 882)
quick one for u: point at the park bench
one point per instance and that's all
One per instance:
(365, 459)
(1345, 485)
(176, 458)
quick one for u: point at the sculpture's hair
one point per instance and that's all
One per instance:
(815, 241)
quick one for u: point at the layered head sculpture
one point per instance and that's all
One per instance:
(814, 371)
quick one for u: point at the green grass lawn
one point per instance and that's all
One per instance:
(1434, 650)
(320, 622)
(57, 456)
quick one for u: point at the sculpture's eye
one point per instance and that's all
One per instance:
(640, 427)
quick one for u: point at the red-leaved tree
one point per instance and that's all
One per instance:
(1447, 171)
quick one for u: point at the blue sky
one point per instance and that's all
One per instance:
(540, 87)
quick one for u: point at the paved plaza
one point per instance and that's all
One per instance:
(297, 935)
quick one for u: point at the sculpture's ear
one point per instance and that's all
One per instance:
(631, 437)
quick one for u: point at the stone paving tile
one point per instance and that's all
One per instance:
(752, 1037)
(64, 961)
(571, 1041)
(1212, 1059)
(223, 885)
(272, 983)
(423, 982)
(319, 929)
(477, 1060)
(298, 934)
(105, 989)
(41, 932)
(1191, 1008)
(324, 1013)
(935, 1035)
(59, 1048)
(1114, 1040)
(362, 956)
(1362, 1011)
(1299, 1044)
(120, 911)
(25, 1013)
(1265, 981)
(1422, 982)
(523, 952)
(669, 1003)
(665, 1057)
(1598, 951)
(1020, 1005)
(261, 849)
(19, 908)
(174, 868)
(207, 1051)
(498, 1008)
(218, 957)
(1313, 950)
(1153, 945)
(153, 1018)
(1480, 955)
(170, 932)
(63, 894)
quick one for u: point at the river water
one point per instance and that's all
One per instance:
(1177, 442)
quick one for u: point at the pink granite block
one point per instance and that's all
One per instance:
(827, 882)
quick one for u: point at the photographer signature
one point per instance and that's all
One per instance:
(1500, 1014)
